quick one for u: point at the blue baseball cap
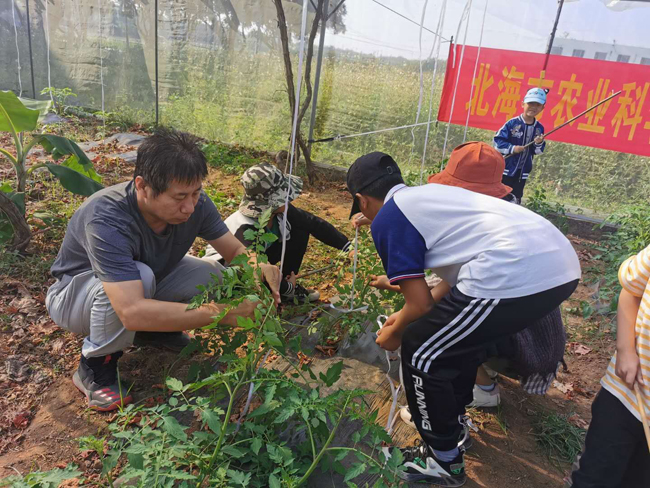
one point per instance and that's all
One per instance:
(535, 95)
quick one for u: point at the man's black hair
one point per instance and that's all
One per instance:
(170, 155)
(379, 189)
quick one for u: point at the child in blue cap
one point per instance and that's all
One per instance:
(515, 134)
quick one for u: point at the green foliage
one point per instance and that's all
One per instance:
(539, 203)
(632, 236)
(200, 435)
(228, 159)
(560, 440)
(49, 479)
(60, 97)
(334, 326)
(76, 173)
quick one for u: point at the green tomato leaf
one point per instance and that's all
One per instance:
(274, 482)
(256, 445)
(356, 470)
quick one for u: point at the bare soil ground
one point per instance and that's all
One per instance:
(42, 414)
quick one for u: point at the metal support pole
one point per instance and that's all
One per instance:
(156, 54)
(319, 63)
(31, 56)
(552, 38)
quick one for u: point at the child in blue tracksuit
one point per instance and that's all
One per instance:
(515, 134)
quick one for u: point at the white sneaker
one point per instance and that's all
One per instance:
(484, 398)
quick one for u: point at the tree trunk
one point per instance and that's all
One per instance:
(22, 232)
(288, 71)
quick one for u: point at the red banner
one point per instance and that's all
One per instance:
(503, 77)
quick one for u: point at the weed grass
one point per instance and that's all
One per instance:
(559, 439)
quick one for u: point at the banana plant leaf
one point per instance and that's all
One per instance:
(59, 147)
(14, 116)
(74, 181)
(43, 106)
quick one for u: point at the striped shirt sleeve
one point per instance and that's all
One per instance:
(635, 272)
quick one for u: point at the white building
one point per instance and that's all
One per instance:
(601, 50)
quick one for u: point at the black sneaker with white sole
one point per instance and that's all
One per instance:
(300, 294)
(97, 379)
(421, 466)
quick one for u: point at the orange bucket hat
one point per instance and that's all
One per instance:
(475, 166)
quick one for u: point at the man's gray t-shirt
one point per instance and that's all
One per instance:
(108, 234)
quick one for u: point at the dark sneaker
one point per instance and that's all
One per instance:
(97, 379)
(172, 341)
(422, 466)
(464, 441)
(301, 294)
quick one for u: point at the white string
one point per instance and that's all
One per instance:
(47, 41)
(443, 10)
(408, 126)
(20, 81)
(101, 59)
(294, 128)
(478, 55)
(250, 392)
(394, 391)
(286, 202)
(460, 66)
(351, 308)
(417, 115)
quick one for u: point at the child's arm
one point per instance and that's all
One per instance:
(418, 302)
(628, 366)
(502, 140)
(319, 228)
(633, 276)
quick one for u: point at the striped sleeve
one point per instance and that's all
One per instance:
(635, 272)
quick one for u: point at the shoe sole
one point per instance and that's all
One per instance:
(423, 478)
(123, 402)
(484, 405)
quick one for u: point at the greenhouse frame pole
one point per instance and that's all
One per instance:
(552, 36)
(31, 57)
(319, 63)
(156, 54)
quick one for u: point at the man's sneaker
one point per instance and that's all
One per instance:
(301, 294)
(421, 465)
(97, 379)
(484, 398)
(464, 441)
(172, 341)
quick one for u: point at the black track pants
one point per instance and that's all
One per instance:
(442, 349)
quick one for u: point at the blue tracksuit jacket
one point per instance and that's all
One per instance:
(516, 132)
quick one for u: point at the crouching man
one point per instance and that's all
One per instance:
(123, 275)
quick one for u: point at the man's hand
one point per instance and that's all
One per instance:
(518, 149)
(244, 309)
(389, 337)
(628, 367)
(271, 274)
(539, 139)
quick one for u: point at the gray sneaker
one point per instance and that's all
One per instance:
(97, 379)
